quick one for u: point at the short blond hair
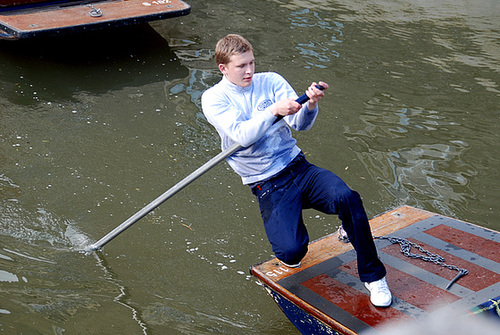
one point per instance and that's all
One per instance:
(229, 45)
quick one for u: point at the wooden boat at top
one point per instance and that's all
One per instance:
(33, 18)
(325, 296)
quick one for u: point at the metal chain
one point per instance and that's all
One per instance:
(426, 256)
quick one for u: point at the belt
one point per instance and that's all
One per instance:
(300, 158)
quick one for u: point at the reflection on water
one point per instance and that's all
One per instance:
(412, 153)
(317, 52)
(42, 70)
(94, 127)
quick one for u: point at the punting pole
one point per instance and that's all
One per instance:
(176, 188)
(162, 198)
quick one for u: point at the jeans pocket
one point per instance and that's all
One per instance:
(260, 190)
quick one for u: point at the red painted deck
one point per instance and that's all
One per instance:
(327, 286)
(77, 15)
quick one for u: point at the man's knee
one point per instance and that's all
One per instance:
(350, 197)
(291, 254)
(351, 210)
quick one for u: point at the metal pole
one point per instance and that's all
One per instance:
(162, 198)
(176, 188)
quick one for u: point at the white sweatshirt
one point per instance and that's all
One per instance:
(241, 115)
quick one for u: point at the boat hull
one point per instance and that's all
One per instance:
(56, 18)
(300, 318)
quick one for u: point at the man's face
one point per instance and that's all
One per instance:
(240, 69)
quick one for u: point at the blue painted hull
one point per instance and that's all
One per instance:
(309, 325)
(303, 321)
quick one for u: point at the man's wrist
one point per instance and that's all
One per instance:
(311, 106)
(273, 111)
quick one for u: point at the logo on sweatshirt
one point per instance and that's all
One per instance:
(264, 104)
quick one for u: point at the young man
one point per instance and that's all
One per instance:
(246, 108)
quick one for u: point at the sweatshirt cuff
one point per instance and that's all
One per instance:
(310, 111)
(269, 117)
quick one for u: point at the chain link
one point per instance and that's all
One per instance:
(426, 255)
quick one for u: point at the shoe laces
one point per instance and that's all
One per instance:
(380, 286)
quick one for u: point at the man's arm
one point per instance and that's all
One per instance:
(226, 118)
(305, 117)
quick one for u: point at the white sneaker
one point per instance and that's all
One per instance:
(380, 295)
(291, 265)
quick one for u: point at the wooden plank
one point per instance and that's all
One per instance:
(481, 279)
(29, 21)
(352, 301)
(327, 286)
(329, 246)
(272, 271)
(412, 290)
(476, 244)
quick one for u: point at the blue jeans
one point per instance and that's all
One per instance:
(303, 185)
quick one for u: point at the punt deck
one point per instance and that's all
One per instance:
(33, 18)
(325, 296)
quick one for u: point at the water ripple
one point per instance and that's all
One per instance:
(392, 148)
(324, 48)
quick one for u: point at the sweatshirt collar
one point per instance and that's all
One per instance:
(235, 88)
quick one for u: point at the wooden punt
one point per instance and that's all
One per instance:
(33, 18)
(7, 3)
(325, 296)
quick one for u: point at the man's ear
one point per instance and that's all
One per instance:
(223, 68)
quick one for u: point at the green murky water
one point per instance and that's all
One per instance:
(94, 127)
